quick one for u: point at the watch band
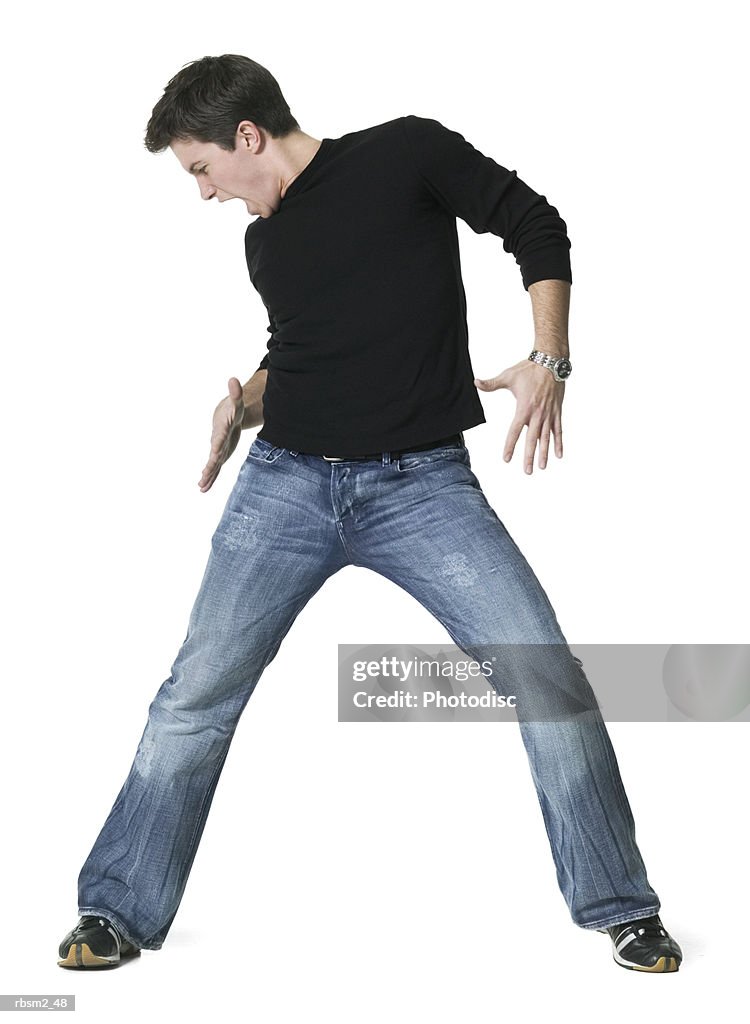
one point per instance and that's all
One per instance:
(560, 366)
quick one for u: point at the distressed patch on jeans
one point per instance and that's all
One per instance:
(145, 755)
(457, 568)
(237, 530)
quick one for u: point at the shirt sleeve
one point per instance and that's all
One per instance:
(490, 197)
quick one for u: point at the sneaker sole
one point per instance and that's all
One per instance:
(664, 965)
(80, 955)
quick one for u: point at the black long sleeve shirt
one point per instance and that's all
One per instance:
(359, 270)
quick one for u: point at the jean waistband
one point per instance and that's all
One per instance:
(457, 439)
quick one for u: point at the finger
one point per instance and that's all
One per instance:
(212, 460)
(532, 437)
(558, 436)
(207, 480)
(218, 451)
(514, 433)
(206, 476)
(211, 468)
(544, 444)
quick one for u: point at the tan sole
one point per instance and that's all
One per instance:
(79, 955)
(664, 965)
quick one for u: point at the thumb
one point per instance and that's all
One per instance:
(491, 383)
(235, 389)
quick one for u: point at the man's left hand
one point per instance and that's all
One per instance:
(539, 399)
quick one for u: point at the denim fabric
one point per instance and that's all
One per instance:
(291, 521)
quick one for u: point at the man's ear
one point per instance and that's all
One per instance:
(249, 136)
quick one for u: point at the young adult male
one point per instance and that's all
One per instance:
(363, 397)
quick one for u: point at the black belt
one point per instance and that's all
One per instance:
(453, 439)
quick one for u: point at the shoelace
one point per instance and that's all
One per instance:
(651, 927)
(83, 923)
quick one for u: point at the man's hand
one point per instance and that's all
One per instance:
(539, 399)
(227, 428)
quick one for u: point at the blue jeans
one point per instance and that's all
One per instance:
(291, 521)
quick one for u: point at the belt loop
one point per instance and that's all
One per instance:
(386, 458)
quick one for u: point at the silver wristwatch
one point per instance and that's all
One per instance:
(559, 365)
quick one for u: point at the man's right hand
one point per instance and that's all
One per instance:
(227, 428)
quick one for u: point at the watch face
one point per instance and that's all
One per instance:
(564, 368)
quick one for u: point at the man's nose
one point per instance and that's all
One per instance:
(207, 191)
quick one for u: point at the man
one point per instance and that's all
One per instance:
(363, 396)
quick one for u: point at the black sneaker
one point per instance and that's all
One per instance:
(644, 945)
(95, 942)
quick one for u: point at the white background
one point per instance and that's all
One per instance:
(354, 872)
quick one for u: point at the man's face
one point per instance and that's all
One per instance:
(241, 174)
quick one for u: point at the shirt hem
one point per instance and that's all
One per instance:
(363, 446)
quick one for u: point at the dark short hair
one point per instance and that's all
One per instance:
(207, 99)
